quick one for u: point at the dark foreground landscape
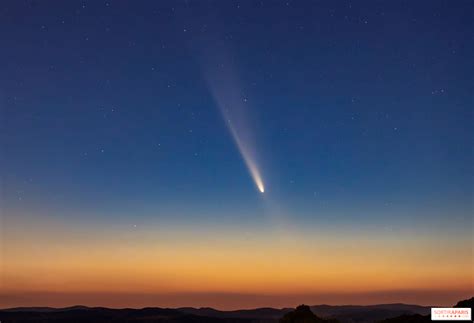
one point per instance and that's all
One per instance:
(386, 313)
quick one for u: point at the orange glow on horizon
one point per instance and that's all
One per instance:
(52, 259)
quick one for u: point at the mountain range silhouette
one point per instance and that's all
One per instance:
(384, 313)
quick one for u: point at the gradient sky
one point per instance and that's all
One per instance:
(128, 130)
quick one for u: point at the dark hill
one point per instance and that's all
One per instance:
(466, 303)
(303, 314)
(426, 318)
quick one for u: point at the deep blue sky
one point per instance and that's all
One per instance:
(361, 109)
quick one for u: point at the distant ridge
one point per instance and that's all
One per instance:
(341, 313)
(368, 313)
(46, 309)
(263, 312)
(426, 318)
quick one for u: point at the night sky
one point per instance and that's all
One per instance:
(134, 135)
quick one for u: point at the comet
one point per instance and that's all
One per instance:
(234, 107)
